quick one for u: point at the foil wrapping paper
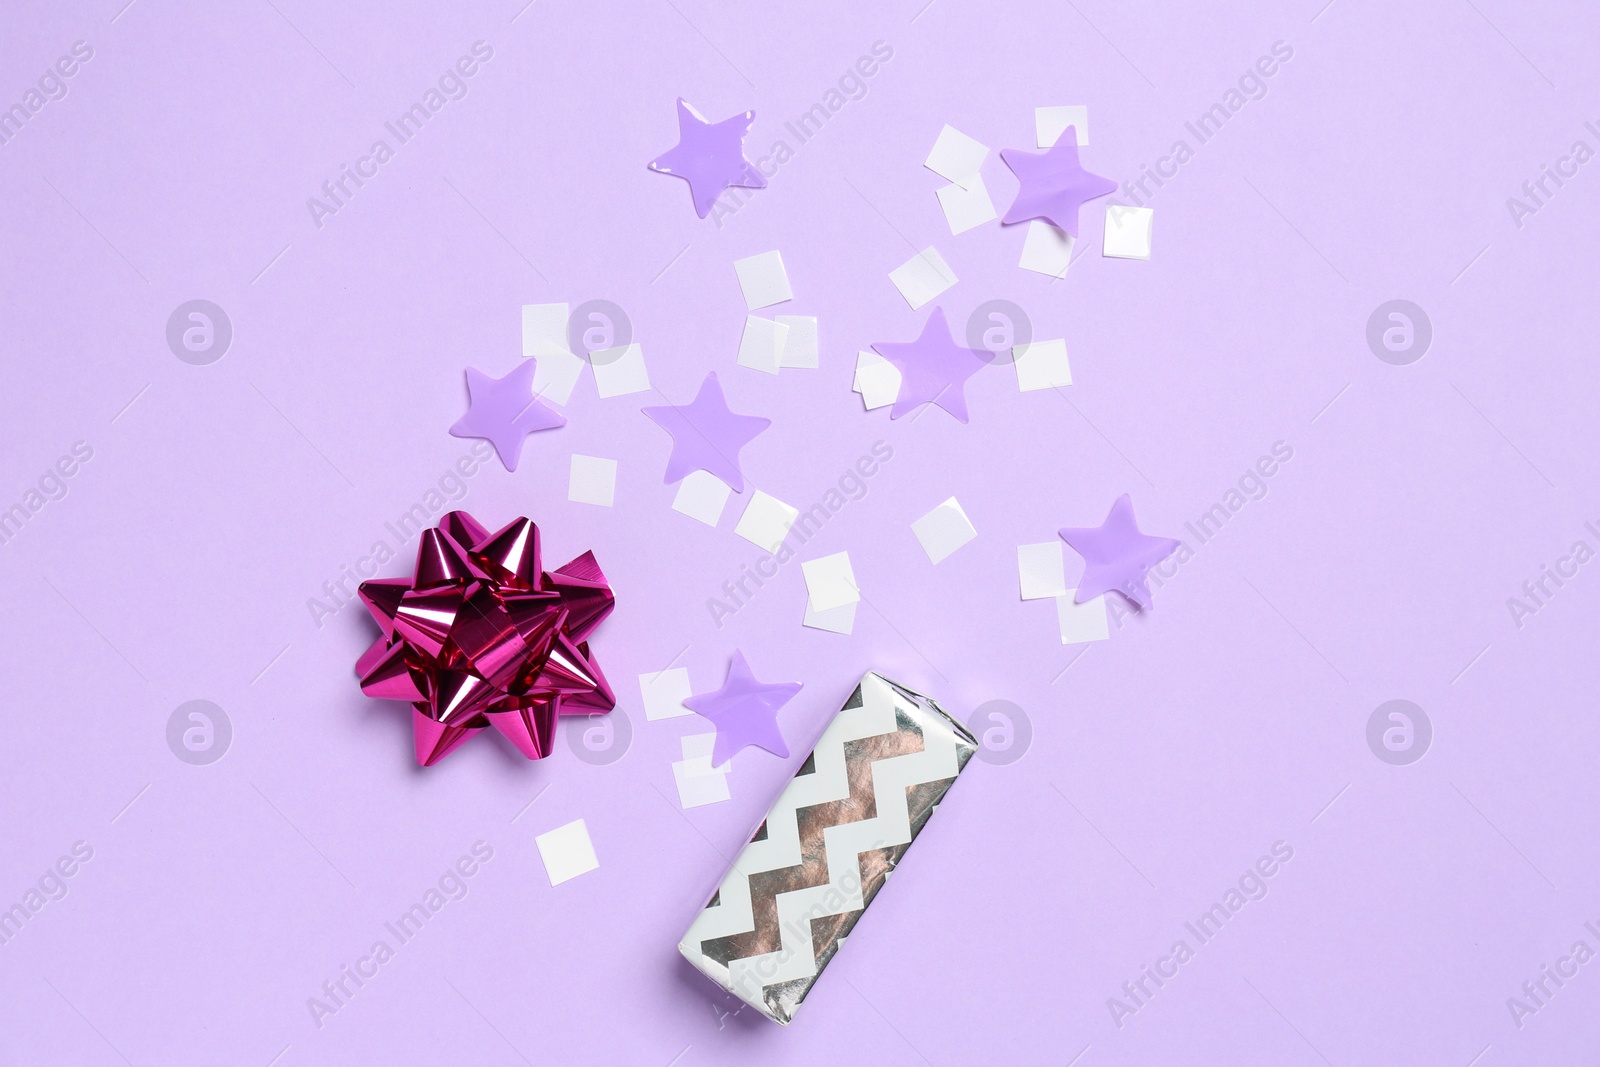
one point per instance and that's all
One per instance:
(828, 845)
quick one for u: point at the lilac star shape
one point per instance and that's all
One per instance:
(1054, 184)
(503, 411)
(933, 369)
(709, 156)
(1116, 555)
(706, 436)
(744, 711)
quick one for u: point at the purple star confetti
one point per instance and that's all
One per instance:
(709, 156)
(1116, 555)
(744, 711)
(933, 369)
(503, 411)
(706, 436)
(1054, 184)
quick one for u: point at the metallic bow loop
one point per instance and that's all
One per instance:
(481, 636)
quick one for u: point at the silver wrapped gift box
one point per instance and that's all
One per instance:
(827, 846)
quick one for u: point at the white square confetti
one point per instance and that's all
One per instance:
(1049, 123)
(592, 480)
(1041, 365)
(1128, 232)
(701, 496)
(923, 277)
(664, 693)
(763, 280)
(544, 339)
(618, 371)
(877, 380)
(555, 373)
(956, 157)
(800, 344)
(1046, 250)
(830, 582)
(567, 851)
(840, 620)
(761, 347)
(544, 327)
(698, 746)
(699, 783)
(1082, 622)
(766, 521)
(1042, 570)
(943, 530)
(966, 206)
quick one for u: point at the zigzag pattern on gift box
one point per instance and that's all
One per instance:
(829, 843)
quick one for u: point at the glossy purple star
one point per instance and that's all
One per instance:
(744, 711)
(706, 436)
(503, 411)
(1054, 184)
(933, 369)
(709, 156)
(1116, 555)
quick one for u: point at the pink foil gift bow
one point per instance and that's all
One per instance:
(480, 636)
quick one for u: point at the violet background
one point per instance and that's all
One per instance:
(1162, 763)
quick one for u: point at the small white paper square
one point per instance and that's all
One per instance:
(699, 783)
(763, 280)
(800, 343)
(943, 530)
(567, 851)
(923, 277)
(555, 373)
(1128, 232)
(1042, 570)
(664, 693)
(761, 347)
(544, 338)
(544, 327)
(701, 496)
(830, 582)
(839, 620)
(1046, 250)
(877, 380)
(766, 521)
(592, 480)
(1041, 365)
(618, 371)
(1049, 123)
(956, 157)
(966, 206)
(698, 746)
(1082, 622)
